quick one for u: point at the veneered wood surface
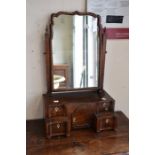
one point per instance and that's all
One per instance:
(80, 107)
(81, 142)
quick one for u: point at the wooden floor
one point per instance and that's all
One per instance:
(81, 142)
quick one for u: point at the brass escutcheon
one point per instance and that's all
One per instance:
(74, 119)
(106, 108)
(56, 109)
(58, 125)
(107, 121)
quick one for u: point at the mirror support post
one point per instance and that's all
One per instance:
(102, 60)
(48, 59)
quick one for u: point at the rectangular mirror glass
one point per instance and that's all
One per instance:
(75, 52)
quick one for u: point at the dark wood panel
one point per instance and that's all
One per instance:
(80, 108)
(81, 142)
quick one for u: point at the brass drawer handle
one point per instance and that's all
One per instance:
(56, 109)
(58, 125)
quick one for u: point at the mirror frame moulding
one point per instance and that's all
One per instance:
(49, 58)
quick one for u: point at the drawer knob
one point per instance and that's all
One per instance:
(56, 109)
(58, 125)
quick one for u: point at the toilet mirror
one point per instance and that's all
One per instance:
(75, 49)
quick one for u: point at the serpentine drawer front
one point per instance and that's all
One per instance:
(105, 106)
(57, 126)
(104, 121)
(56, 108)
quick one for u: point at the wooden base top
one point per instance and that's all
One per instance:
(81, 142)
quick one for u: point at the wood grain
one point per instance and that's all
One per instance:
(81, 142)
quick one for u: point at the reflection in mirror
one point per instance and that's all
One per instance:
(75, 52)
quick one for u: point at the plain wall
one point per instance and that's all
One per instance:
(37, 16)
(116, 80)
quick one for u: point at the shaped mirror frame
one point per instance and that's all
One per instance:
(49, 57)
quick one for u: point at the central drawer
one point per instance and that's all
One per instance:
(82, 116)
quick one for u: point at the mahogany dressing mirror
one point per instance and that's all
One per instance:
(75, 52)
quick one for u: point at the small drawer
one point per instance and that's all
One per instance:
(58, 126)
(105, 106)
(104, 121)
(56, 110)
